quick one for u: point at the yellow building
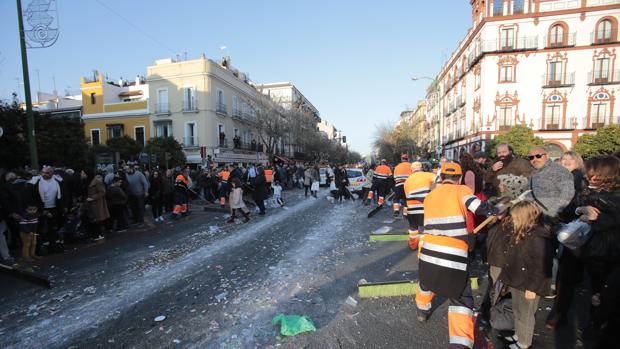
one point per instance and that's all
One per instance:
(115, 109)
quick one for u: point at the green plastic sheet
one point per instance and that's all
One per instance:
(291, 325)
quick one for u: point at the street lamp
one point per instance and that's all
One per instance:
(416, 78)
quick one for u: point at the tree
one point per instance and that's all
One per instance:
(269, 121)
(161, 147)
(127, 148)
(521, 138)
(384, 144)
(605, 141)
(60, 139)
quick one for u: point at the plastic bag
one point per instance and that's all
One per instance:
(574, 234)
(315, 186)
(291, 325)
(332, 186)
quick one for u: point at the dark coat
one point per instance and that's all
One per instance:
(341, 179)
(167, 185)
(261, 188)
(604, 242)
(115, 196)
(579, 181)
(98, 208)
(516, 166)
(529, 263)
(498, 243)
(156, 188)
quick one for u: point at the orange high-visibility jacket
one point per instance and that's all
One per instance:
(268, 176)
(401, 173)
(444, 255)
(382, 172)
(224, 174)
(417, 187)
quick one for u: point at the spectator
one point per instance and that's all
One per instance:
(277, 193)
(49, 194)
(5, 216)
(341, 181)
(316, 178)
(181, 195)
(282, 176)
(527, 271)
(368, 184)
(28, 231)
(156, 193)
(308, 179)
(235, 200)
(507, 164)
(138, 190)
(551, 184)
(261, 190)
(97, 206)
(117, 204)
(600, 206)
(109, 176)
(167, 189)
(299, 176)
(570, 270)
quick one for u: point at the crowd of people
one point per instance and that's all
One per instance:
(41, 211)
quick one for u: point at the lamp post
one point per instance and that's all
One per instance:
(432, 96)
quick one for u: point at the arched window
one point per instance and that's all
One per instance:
(506, 110)
(600, 108)
(554, 107)
(556, 36)
(606, 31)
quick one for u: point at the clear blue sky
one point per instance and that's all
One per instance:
(352, 59)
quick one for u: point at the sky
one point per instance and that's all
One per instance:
(352, 59)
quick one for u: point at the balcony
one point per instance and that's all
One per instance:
(558, 80)
(603, 37)
(221, 108)
(190, 105)
(599, 77)
(557, 42)
(236, 112)
(603, 121)
(460, 101)
(521, 43)
(190, 142)
(162, 109)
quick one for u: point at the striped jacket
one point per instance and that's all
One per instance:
(401, 173)
(382, 172)
(444, 256)
(417, 187)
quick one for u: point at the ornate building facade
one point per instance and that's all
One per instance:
(551, 65)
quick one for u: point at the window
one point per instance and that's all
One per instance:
(555, 73)
(603, 31)
(505, 117)
(221, 106)
(114, 131)
(498, 7)
(552, 116)
(162, 101)
(189, 99)
(556, 36)
(599, 114)
(507, 38)
(601, 70)
(190, 139)
(139, 135)
(517, 6)
(95, 137)
(506, 73)
(477, 78)
(163, 129)
(93, 98)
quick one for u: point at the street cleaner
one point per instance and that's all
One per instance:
(444, 254)
(401, 173)
(380, 182)
(416, 188)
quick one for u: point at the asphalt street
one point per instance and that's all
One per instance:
(219, 285)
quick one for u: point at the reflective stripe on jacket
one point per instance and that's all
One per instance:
(401, 173)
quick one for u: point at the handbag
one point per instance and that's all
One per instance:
(314, 186)
(575, 234)
(502, 318)
(332, 186)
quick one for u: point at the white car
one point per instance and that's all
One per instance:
(357, 180)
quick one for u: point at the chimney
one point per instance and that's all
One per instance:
(137, 80)
(120, 82)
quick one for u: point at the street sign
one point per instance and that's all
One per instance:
(144, 158)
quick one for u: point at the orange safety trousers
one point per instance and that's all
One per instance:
(371, 194)
(179, 209)
(460, 315)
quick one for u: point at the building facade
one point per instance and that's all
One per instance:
(551, 65)
(111, 109)
(206, 106)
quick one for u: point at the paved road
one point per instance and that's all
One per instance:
(220, 285)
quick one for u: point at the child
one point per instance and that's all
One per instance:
(27, 231)
(527, 271)
(235, 198)
(277, 193)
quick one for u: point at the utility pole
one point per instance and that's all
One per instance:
(34, 159)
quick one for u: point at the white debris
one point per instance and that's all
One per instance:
(151, 246)
(351, 301)
(383, 230)
(362, 282)
(90, 290)
(160, 318)
(220, 297)
(176, 341)
(214, 229)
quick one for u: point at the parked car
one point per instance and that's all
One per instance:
(357, 180)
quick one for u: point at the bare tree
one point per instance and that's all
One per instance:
(270, 122)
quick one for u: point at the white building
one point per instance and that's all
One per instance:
(551, 65)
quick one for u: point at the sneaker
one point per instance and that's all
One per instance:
(99, 237)
(230, 221)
